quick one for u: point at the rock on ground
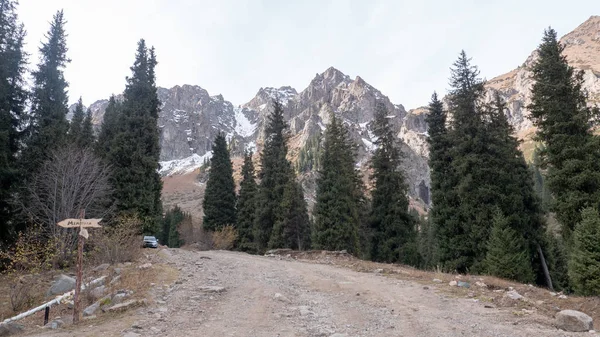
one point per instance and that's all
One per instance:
(513, 295)
(124, 306)
(91, 310)
(574, 321)
(212, 289)
(61, 285)
(11, 328)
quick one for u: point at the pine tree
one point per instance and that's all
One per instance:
(540, 184)
(219, 197)
(274, 176)
(48, 126)
(13, 96)
(584, 262)
(507, 254)
(296, 232)
(393, 229)
(486, 172)
(448, 231)
(171, 221)
(75, 126)
(339, 193)
(557, 259)
(134, 148)
(246, 206)
(558, 110)
(87, 138)
(111, 126)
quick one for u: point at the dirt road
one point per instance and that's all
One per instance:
(265, 296)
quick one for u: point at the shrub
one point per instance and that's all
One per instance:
(35, 252)
(119, 242)
(507, 255)
(584, 264)
(224, 238)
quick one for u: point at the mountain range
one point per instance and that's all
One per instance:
(190, 118)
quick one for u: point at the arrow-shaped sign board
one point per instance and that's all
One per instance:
(76, 223)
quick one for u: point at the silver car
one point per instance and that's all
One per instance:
(150, 241)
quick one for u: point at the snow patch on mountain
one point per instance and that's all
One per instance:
(182, 166)
(243, 126)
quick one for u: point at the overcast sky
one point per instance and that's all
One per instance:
(233, 47)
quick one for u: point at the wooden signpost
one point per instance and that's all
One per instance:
(82, 224)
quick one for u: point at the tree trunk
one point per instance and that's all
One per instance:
(545, 267)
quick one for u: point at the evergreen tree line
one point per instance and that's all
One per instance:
(490, 209)
(34, 125)
(270, 210)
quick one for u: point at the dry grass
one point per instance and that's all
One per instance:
(140, 281)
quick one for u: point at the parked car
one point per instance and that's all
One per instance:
(150, 241)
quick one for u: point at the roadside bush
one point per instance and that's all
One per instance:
(224, 238)
(119, 242)
(35, 252)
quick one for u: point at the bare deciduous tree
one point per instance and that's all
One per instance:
(70, 181)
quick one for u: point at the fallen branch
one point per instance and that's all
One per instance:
(57, 300)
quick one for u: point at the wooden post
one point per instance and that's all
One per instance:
(46, 315)
(82, 224)
(76, 299)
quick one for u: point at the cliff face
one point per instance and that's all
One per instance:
(582, 49)
(190, 119)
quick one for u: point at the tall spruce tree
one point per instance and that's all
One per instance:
(274, 176)
(87, 138)
(48, 125)
(447, 231)
(219, 197)
(393, 229)
(134, 149)
(111, 126)
(487, 173)
(13, 96)
(584, 264)
(171, 221)
(295, 231)
(558, 109)
(76, 124)
(246, 206)
(337, 211)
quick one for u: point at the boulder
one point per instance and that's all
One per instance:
(281, 298)
(574, 321)
(453, 283)
(463, 284)
(212, 289)
(55, 324)
(513, 295)
(91, 310)
(61, 285)
(437, 280)
(119, 298)
(11, 328)
(98, 293)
